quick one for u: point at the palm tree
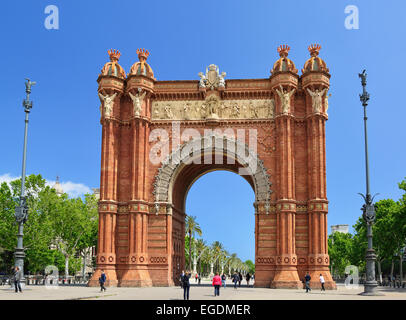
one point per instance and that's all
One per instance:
(218, 249)
(192, 227)
(231, 262)
(200, 248)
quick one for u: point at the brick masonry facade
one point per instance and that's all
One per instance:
(142, 204)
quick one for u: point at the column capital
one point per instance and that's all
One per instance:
(317, 205)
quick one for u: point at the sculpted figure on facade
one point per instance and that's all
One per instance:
(236, 110)
(253, 110)
(316, 99)
(186, 111)
(284, 95)
(326, 102)
(137, 101)
(270, 107)
(223, 109)
(155, 112)
(203, 110)
(168, 111)
(222, 82)
(212, 106)
(108, 103)
(202, 82)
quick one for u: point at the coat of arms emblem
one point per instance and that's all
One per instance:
(212, 79)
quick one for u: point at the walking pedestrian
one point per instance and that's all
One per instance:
(307, 282)
(180, 278)
(199, 279)
(248, 278)
(223, 280)
(102, 280)
(196, 277)
(239, 279)
(186, 285)
(17, 278)
(216, 284)
(236, 278)
(322, 282)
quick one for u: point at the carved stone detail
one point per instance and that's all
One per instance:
(137, 101)
(108, 102)
(172, 163)
(285, 96)
(212, 79)
(316, 99)
(224, 109)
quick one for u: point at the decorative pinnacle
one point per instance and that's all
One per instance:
(142, 54)
(283, 50)
(314, 49)
(114, 55)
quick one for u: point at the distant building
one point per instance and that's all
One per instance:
(58, 188)
(96, 192)
(343, 228)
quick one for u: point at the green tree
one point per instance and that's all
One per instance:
(200, 249)
(73, 222)
(340, 250)
(218, 253)
(89, 237)
(400, 222)
(37, 232)
(192, 227)
(389, 231)
(250, 265)
(8, 227)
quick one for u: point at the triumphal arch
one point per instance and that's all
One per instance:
(158, 137)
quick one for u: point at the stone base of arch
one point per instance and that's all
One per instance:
(286, 278)
(134, 278)
(315, 276)
(111, 278)
(161, 277)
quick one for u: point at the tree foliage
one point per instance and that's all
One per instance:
(389, 236)
(57, 227)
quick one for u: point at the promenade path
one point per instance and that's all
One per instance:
(203, 292)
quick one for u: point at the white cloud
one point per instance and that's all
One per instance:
(71, 188)
(7, 178)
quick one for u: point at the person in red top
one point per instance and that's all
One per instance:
(216, 284)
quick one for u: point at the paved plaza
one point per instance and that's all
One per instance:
(203, 292)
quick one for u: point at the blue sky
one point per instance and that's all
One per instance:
(184, 37)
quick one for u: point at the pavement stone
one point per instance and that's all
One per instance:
(203, 292)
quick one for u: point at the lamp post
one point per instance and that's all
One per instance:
(368, 208)
(21, 211)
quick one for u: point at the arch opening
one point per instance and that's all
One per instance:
(180, 170)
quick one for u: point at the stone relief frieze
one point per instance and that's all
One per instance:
(213, 107)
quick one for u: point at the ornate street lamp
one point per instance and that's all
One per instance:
(368, 208)
(21, 211)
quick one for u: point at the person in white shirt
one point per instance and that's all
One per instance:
(322, 282)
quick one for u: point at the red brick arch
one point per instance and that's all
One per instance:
(141, 207)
